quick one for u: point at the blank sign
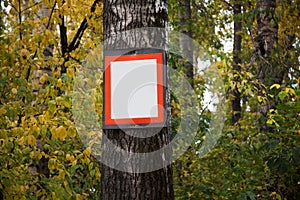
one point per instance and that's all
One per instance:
(134, 90)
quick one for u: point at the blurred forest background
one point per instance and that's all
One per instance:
(43, 43)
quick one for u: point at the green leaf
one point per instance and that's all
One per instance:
(52, 106)
(271, 145)
(282, 95)
(251, 195)
(296, 155)
(279, 164)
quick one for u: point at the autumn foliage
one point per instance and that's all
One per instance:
(44, 43)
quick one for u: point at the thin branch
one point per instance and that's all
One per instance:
(52, 10)
(37, 3)
(31, 62)
(14, 7)
(83, 26)
(75, 59)
(20, 20)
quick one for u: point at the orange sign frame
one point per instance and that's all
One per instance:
(108, 122)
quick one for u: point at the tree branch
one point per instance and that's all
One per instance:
(35, 4)
(52, 10)
(14, 7)
(63, 41)
(83, 26)
(20, 20)
(63, 36)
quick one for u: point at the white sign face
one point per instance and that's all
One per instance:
(134, 89)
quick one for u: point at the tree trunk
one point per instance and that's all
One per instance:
(267, 27)
(186, 45)
(237, 47)
(41, 166)
(269, 69)
(186, 48)
(121, 16)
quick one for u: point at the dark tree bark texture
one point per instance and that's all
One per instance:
(120, 16)
(269, 69)
(186, 45)
(237, 47)
(267, 36)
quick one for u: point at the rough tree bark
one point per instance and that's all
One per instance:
(237, 47)
(267, 27)
(186, 45)
(269, 72)
(186, 48)
(121, 16)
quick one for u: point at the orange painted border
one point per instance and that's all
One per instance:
(160, 90)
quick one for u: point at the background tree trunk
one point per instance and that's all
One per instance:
(186, 45)
(237, 47)
(270, 71)
(41, 166)
(121, 16)
(186, 63)
(267, 27)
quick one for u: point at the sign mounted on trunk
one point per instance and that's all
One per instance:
(134, 90)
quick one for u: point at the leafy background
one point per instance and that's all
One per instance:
(42, 155)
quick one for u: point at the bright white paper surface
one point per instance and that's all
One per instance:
(134, 89)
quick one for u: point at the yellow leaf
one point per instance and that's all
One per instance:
(70, 72)
(71, 131)
(58, 100)
(23, 122)
(53, 132)
(86, 152)
(38, 154)
(2, 111)
(260, 99)
(53, 195)
(270, 121)
(277, 86)
(14, 91)
(98, 175)
(61, 133)
(44, 78)
(33, 120)
(41, 119)
(21, 141)
(79, 197)
(70, 158)
(59, 83)
(291, 91)
(31, 140)
(85, 160)
(61, 174)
